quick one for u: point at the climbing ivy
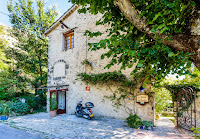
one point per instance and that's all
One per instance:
(174, 89)
(86, 62)
(125, 86)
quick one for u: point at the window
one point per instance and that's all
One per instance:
(69, 40)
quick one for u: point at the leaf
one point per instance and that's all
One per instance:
(164, 29)
(170, 54)
(161, 26)
(156, 16)
(132, 53)
(139, 65)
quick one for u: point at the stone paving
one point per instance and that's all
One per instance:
(69, 126)
(166, 125)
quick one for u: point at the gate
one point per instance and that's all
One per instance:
(186, 108)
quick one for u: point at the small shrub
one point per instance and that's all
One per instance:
(53, 104)
(167, 114)
(35, 102)
(134, 121)
(5, 108)
(20, 108)
(147, 124)
(197, 132)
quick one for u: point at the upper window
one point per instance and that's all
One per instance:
(69, 40)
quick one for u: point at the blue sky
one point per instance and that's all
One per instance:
(61, 6)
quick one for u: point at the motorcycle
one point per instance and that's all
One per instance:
(84, 111)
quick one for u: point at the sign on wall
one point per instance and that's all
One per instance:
(87, 89)
(142, 98)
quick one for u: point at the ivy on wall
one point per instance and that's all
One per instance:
(174, 89)
(125, 86)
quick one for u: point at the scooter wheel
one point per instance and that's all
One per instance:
(89, 118)
(79, 114)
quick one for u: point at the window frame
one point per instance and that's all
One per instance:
(66, 35)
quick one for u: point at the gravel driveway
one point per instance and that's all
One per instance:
(69, 126)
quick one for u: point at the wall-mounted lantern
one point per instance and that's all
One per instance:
(142, 89)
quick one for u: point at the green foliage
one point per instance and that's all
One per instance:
(13, 81)
(10, 107)
(30, 53)
(162, 99)
(53, 104)
(196, 131)
(167, 114)
(127, 45)
(147, 124)
(134, 121)
(2, 46)
(5, 108)
(174, 89)
(103, 78)
(13, 84)
(20, 108)
(35, 102)
(125, 86)
(86, 62)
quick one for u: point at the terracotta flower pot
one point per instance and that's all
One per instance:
(53, 113)
(31, 110)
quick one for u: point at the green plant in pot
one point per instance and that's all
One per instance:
(148, 124)
(5, 110)
(53, 107)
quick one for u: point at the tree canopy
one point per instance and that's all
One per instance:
(31, 50)
(155, 34)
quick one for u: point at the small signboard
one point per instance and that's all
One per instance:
(87, 89)
(142, 98)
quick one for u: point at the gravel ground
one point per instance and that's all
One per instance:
(69, 126)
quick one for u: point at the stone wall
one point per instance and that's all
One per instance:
(63, 66)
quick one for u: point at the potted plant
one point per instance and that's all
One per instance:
(5, 110)
(148, 125)
(53, 107)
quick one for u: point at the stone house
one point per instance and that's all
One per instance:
(68, 47)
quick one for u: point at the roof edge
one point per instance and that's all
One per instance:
(64, 16)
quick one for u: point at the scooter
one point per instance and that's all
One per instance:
(84, 111)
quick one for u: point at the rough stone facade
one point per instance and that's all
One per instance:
(63, 66)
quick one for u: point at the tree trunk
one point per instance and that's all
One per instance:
(182, 42)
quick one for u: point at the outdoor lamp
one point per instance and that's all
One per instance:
(142, 89)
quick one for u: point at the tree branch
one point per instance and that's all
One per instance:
(181, 42)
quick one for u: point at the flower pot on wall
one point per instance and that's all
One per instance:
(53, 113)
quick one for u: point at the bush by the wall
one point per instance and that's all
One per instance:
(35, 102)
(5, 108)
(167, 114)
(147, 124)
(134, 121)
(20, 108)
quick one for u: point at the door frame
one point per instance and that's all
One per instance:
(56, 91)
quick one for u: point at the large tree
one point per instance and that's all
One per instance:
(155, 34)
(30, 50)
(13, 82)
